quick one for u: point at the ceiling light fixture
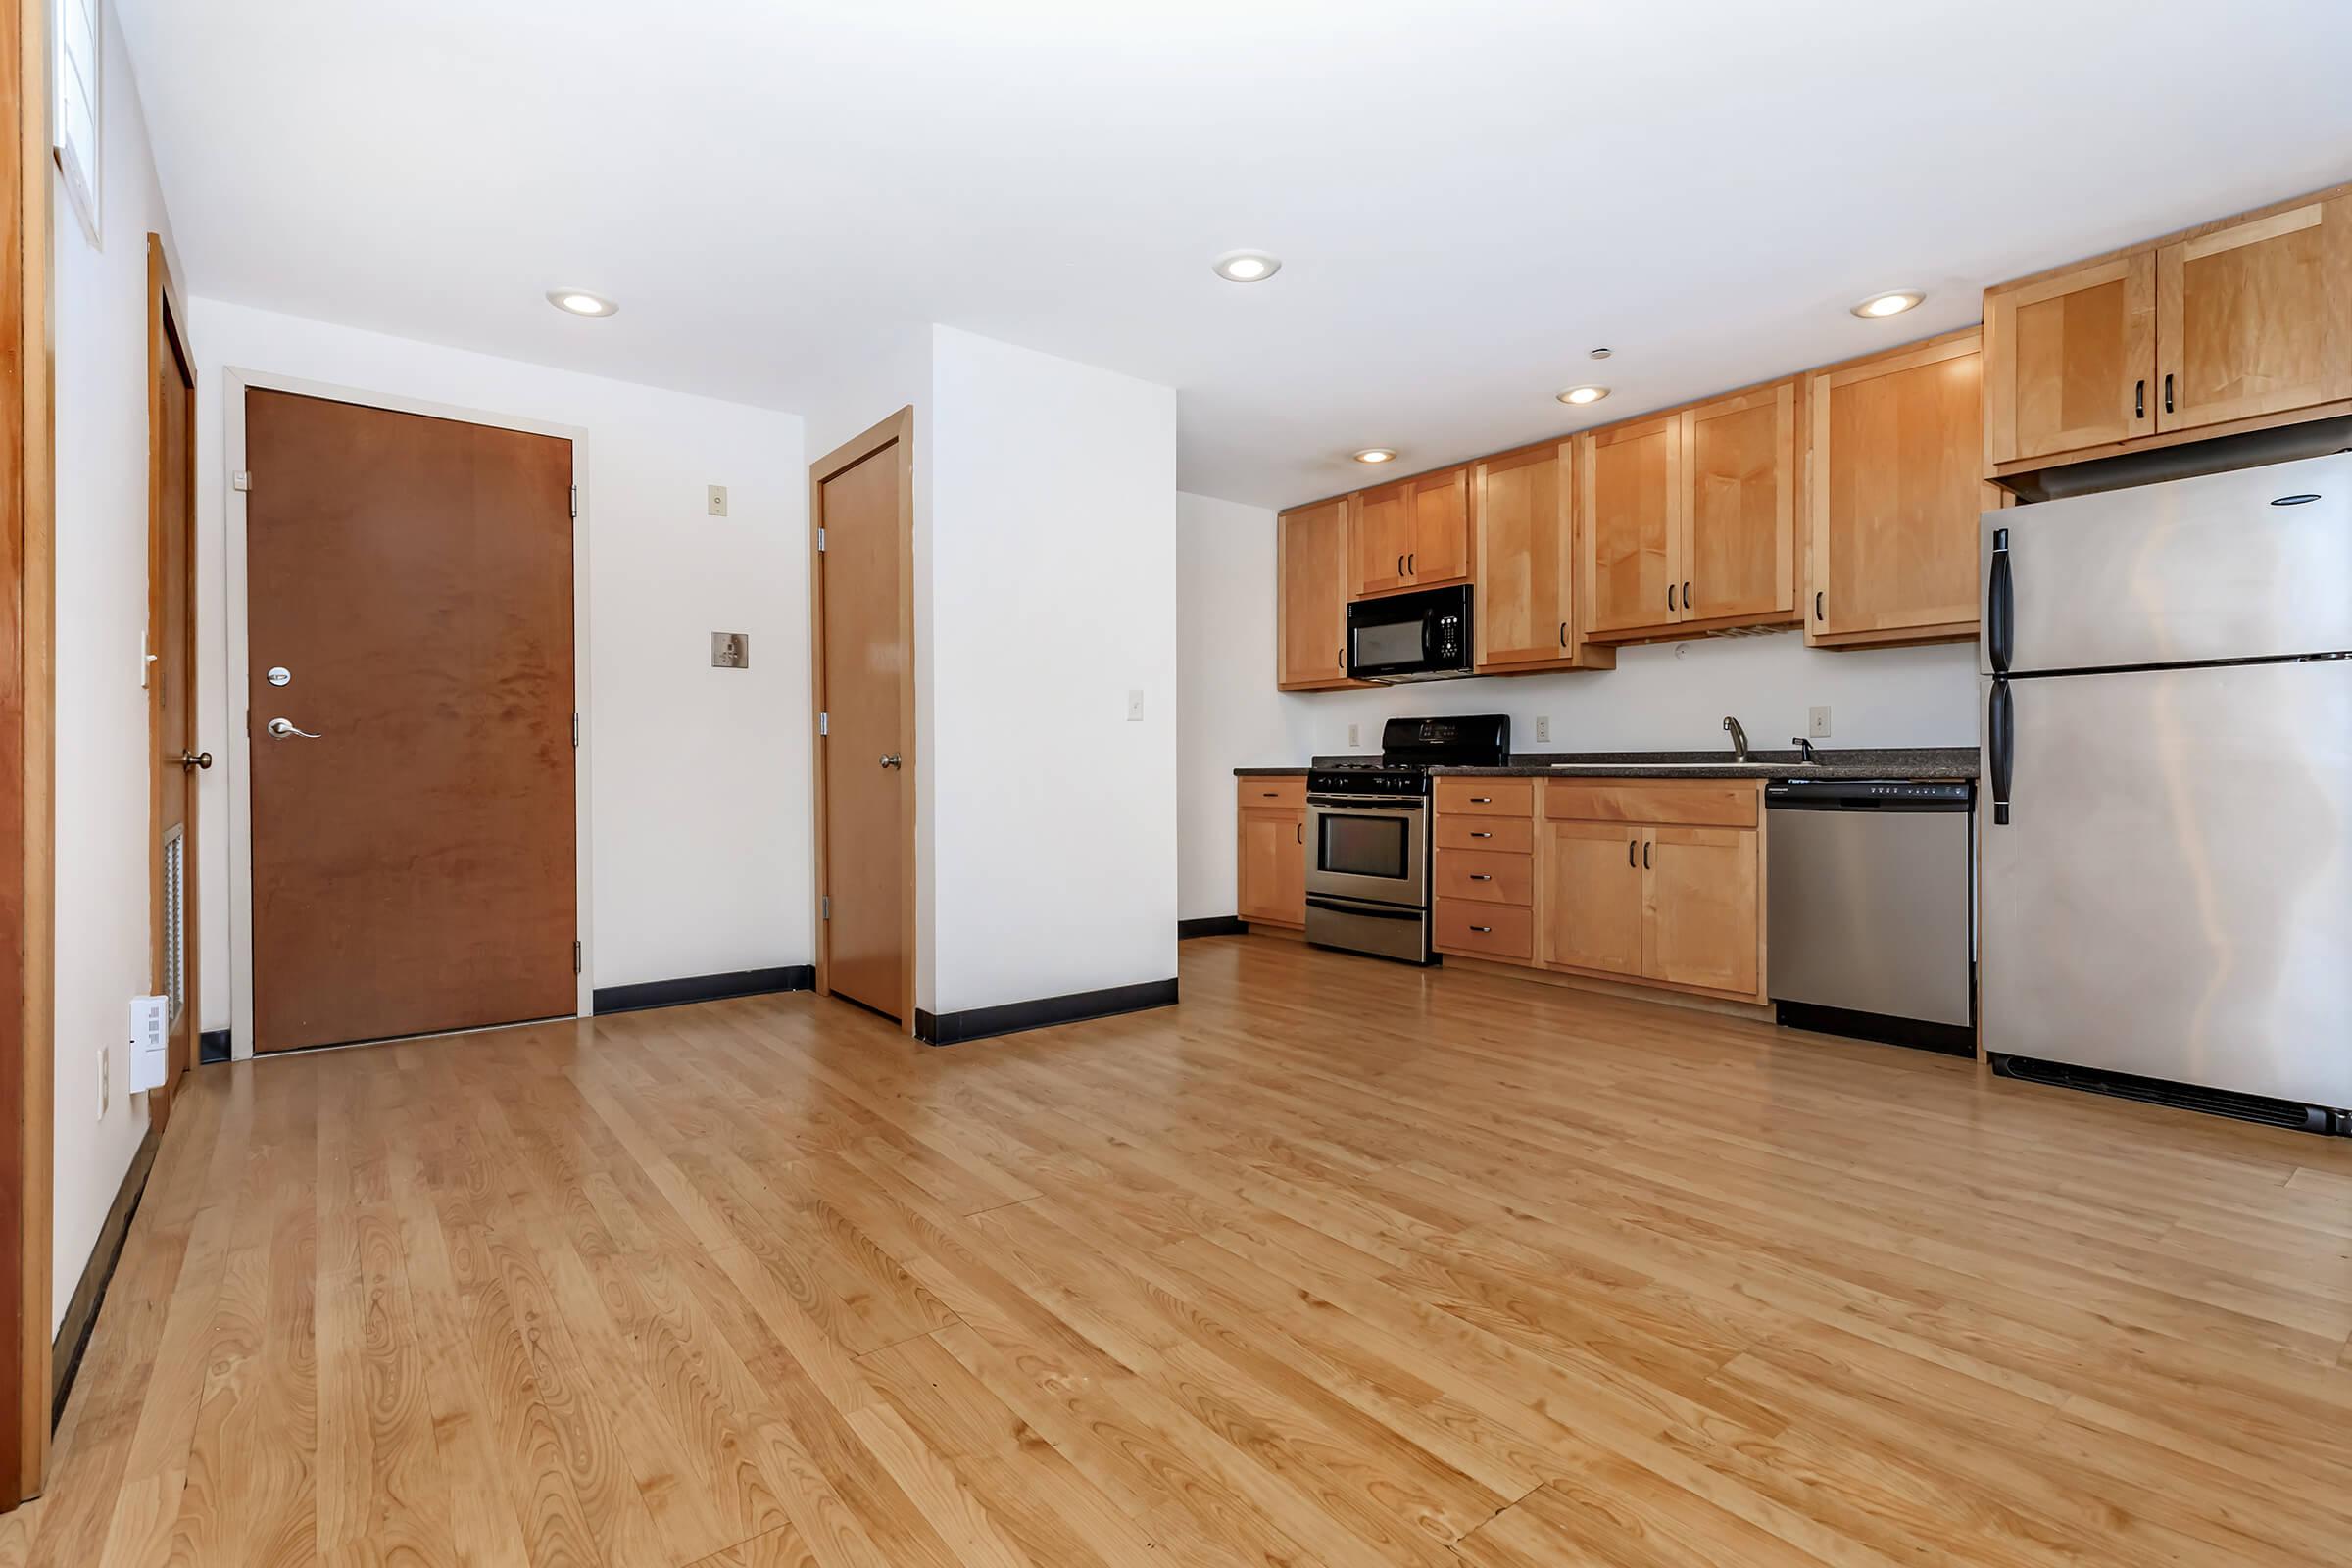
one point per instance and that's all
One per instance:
(1894, 301)
(579, 302)
(1581, 395)
(1247, 266)
(1377, 454)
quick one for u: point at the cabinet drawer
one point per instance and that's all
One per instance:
(1509, 834)
(1695, 802)
(1273, 794)
(1486, 797)
(1486, 930)
(1485, 876)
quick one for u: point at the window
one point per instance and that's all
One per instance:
(78, 105)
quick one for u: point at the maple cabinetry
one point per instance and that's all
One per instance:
(1527, 616)
(1414, 533)
(1686, 521)
(1895, 494)
(2234, 325)
(1310, 564)
(1271, 872)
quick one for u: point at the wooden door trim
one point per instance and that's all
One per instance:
(238, 752)
(899, 428)
(28, 751)
(168, 335)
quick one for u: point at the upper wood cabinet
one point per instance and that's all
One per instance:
(1310, 550)
(1895, 495)
(1414, 533)
(1528, 616)
(2234, 325)
(1686, 521)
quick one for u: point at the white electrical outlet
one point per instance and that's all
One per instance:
(1134, 705)
(1817, 723)
(1543, 727)
(716, 500)
(1356, 734)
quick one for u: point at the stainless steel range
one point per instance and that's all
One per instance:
(1367, 834)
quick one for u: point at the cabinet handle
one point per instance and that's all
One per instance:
(1399, 566)
(2139, 398)
(1563, 634)
(1484, 930)
(1482, 800)
(1686, 595)
(1298, 831)
(1481, 877)
(1410, 561)
(1670, 599)
(1629, 852)
(1645, 856)
(1817, 614)
(1482, 835)
(2167, 391)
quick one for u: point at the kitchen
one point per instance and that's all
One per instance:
(1863, 529)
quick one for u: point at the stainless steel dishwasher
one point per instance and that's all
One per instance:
(1872, 909)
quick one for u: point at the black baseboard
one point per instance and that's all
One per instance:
(212, 1045)
(1014, 1018)
(1950, 1038)
(1212, 925)
(89, 1295)
(704, 988)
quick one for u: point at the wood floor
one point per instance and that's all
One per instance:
(1339, 1263)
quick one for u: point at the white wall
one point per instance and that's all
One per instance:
(1053, 563)
(1664, 697)
(699, 777)
(104, 956)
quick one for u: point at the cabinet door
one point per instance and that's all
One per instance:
(1311, 614)
(1895, 495)
(1272, 875)
(1439, 550)
(1525, 612)
(2255, 319)
(1698, 907)
(1630, 490)
(1380, 530)
(1590, 906)
(1740, 457)
(2069, 360)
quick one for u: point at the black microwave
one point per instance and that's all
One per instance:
(1416, 636)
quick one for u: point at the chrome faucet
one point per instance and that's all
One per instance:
(1804, 749)
(1738, 739)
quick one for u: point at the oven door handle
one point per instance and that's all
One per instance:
(1368, 911)
(1390, 803)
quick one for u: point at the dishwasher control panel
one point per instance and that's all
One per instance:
(1861, 794)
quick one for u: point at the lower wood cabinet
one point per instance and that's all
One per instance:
(1699, 910)
(1592, 897)
(1271, 881)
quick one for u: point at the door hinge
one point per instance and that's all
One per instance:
(821, 541)
(827, 901)
(576, 732)
(575, 958)
(243, 480)
(824, 724)
(575, 501)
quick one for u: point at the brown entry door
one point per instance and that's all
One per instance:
(865, 656)
(408, 634)
(172, 698)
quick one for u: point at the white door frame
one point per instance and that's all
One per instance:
(236, 383)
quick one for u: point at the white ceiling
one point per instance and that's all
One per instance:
(1465, 198)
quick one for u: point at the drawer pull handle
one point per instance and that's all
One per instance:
(1482, 835)
(1484, 930)
(1482, 800)
(1480, 876)
(1272, 793)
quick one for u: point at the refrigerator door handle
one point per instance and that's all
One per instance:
(2000, 606)
(2001, 741)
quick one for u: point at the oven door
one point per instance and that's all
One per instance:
(1374, 850)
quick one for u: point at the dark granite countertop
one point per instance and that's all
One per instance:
(1268, 772)
(1891, 763)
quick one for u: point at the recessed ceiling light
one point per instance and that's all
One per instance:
(1247, 266)
(1377, 454)
(579, 302)
(1581, 395)
(1894, 301)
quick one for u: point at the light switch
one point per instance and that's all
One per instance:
(1134, 705)
(730, 650)
(1817, 725)
(1356, 734)
(717, 502)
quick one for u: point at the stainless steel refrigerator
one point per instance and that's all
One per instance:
(2165, 822)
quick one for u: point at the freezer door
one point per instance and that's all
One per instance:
(2226, 566)
(2172, 894)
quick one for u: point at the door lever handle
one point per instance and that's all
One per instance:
(285, 729)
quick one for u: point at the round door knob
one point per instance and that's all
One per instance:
(889, 758)
(195, 758)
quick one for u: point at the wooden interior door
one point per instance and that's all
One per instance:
(1440, 551)
(1591, 900)
(1380, 538)
(1526, 614)
(2069, 360)
(2256, 318)
(414, 854)
(1698, 907)
(1897, 451)
(866, 659)
(1311, 561)
(172, 677)
(1629, 486)
(1739, 555)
